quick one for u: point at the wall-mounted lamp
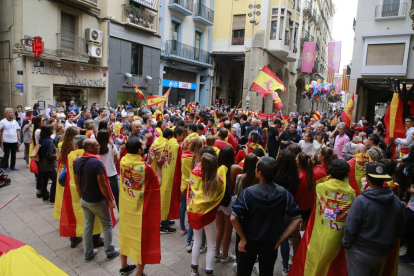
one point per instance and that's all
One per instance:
(148, 77)
(128, 75)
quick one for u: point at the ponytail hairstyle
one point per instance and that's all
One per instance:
(195, 147)
(210, 179)
(249, 171)
(328, 156)
(226, 158)
(103, 140)
(305, 163)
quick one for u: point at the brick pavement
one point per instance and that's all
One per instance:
(27, 219)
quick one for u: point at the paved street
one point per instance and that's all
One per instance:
(27, 219)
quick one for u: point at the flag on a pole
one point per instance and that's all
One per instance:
(154, 100)
(338, 82)
(277, 102)
(190, 106)
(346, 115)
(308, 57)
(393, 119)
(334, 121)
(164, 102)
(334, 56)
(345, 81)
(317, 115)
(139, 93)
(267, 82)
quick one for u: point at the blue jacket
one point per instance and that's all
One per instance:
(261, 209)
(258, 130)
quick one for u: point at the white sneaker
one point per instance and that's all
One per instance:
(235, 268)
(203, 249)
(194, 273)
(189, 247)
(217, 258)
(228, 259)
(256, 268)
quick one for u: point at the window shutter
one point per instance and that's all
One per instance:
(385, 54)
(239, 22)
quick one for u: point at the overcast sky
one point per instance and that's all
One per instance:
(345, 11)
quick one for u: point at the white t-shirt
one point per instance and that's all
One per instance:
(9, 130)
(68, 125)
(108, 160)
(37, 135)
(306, 147)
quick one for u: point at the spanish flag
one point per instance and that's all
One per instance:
(277, 102)
(267, 82)
(190, 138)
(17, 258)
(346, 115)
(158, 146)
(202, 212)
(320, 251)
(154, 100)
(139, 211)
(190, 106)
(57, 207)
(186, 161)
(158, 113)
(334, 120)
(139, 93)
(394, 118)
(265, 139)
(357, 171)
(171, 181)
(72, 219)
(316, 115)
(166, 95)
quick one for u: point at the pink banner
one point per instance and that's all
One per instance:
(308, 57)
(334, 56)
(338, 84)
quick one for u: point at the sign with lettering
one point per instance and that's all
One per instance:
(72, 77)
(40, 92)
(179, 84)
(19, 86)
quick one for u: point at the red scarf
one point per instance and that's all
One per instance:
(90, 155)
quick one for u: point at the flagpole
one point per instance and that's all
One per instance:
(253, 21)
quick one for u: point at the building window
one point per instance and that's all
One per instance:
(239, 23)
(273, 29)
(385, 54)
(136, 59)
(275, 11)
(198, 46)
(68, 31)
(175, 29)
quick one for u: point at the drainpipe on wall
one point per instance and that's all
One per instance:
(10, 82)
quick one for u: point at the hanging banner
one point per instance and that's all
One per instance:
(308, 57)
(338, 82)
(334, 56)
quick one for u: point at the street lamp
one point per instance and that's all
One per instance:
(254, 22)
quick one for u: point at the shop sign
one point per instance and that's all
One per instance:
(179, 84)
(71, 76)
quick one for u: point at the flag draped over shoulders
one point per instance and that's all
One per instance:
(201, 211)
(57, 207)
(186, 161)
(171, 181)
(139, 211)
(320, 251)
(357, 170)
(158, 145)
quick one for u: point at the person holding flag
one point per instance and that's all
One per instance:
(140, 210)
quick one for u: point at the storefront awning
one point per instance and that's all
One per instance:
(150, 4)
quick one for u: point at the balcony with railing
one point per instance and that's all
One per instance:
(305, 36)
(184, 7)
(308, 8)
(185, 53)
(391, 11)
(71, 47)
(203, 15)
(140, 19)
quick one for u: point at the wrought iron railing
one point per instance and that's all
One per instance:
(305, 36)
(311, 38)
(139, 17)
(204, 12)
(187, 4)
(71, 46)
(307, 8)
(399, 9)
(173, 47)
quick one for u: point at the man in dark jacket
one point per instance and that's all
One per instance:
(288, 137)
(244, 125)
(258, 217)
(374, 222)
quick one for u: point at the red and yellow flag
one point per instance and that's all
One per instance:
(190, 106)
(186, 161)
(166, 95)
(139, 211)
(277, 102)
(17, 258)
(320, 251)
(357, 171)
(57, 207)
(316, 115)
(334, 120)
(139, 93)
(202, 212)
(154, 100)
(72, 219)
(393, 119)
(158, 146)
(171, 181)
(346, 115)
(267, 82)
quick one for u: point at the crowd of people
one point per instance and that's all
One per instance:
(267, 179)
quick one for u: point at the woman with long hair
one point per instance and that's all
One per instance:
(305, 193)
(110, 156)
(36, 110)
(306, 143)
(318, 143)
(223, 225)
(206, 192)
(325, 157)
(37, 122)
(47, 156)
(59, 130)
(265, 127)
(287, 176)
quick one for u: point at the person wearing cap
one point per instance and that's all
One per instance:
(373, 224)
(28, 114)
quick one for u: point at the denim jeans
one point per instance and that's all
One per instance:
(183, 207)
(102, 210)
(190, 236)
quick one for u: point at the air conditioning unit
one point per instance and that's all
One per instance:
(93, 35)
(94, 50)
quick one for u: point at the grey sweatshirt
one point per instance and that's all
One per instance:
(374, 222)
